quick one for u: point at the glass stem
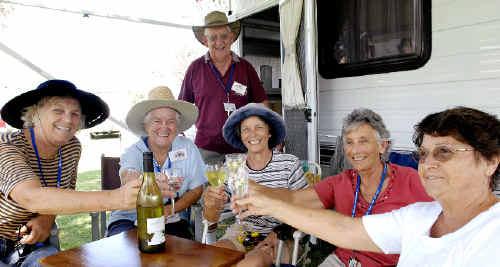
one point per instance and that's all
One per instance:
(173, 205)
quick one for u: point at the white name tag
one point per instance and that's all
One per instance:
(239, 88)
(179, 154)
(229, 107)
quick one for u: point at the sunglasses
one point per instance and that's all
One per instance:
(214, 37)
(23, 250)
(441, 153)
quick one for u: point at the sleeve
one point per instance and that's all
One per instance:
(186, 92)
(385, 230)
(296, 179)
(14, 168)
(325, 191)
(257, 92)
(197, 167)
(131, 159)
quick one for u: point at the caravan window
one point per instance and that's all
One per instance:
(358, 37)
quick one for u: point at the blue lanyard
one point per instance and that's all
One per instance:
(379, 188)
(59, 165)
(156, 166)
(227, 87)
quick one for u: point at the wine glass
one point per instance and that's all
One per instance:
(174, 180)
(128, 174)
(312, 171)
(234, 162)
(216, 174)
(238, 184)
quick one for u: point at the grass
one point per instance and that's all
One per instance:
(75, 230)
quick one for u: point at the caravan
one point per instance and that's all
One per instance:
(403, 59)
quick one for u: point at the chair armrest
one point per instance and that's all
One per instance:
(95, 229)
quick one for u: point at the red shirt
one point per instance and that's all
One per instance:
(202, 87)
(338, 192)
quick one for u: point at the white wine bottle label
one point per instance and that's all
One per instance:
(156, 226)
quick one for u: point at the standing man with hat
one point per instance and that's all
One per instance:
(158, 120)
(218, 83)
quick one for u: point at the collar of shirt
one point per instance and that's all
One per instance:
(235, 57)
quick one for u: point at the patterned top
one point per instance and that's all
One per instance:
(283, 171)
(18, 163)
(337, 192)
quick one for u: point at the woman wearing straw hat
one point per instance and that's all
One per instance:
(158, 120)
(38, 168)
(256, 129)
(218, 83)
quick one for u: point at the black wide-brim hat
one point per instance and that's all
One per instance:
(273, 120)
(93, 107)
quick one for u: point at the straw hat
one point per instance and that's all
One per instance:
(273, 120)
(160, 97)
(216, 19)
(93, 107)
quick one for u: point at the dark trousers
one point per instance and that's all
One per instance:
(180, 228)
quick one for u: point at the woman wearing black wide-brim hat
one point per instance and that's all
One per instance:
(39, 164)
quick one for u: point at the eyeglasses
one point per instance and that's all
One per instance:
(441, 153)
(213, 37)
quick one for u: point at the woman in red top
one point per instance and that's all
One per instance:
(372, 185)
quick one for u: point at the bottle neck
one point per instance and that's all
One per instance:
(148, 169)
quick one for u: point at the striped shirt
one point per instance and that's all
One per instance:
(283, 171)
(18, 163)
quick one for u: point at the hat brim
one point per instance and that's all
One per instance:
(272, 118)
(93, 107)
(199, 30)
(135, 118)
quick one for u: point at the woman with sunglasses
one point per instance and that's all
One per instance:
(38, 168)
(459, 151)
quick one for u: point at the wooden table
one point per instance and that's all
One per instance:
(122, 250)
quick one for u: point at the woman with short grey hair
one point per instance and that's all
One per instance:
(371, 186)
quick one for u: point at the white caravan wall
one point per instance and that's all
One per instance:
(244, 8)
(464, 69)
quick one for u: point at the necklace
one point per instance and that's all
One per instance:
(59, 165)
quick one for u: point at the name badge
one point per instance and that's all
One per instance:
(239, 88)
(179, 154)
(229, 107)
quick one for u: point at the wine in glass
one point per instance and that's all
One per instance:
(234, 162)
(216, 175)
(238, 184)
(312, 171)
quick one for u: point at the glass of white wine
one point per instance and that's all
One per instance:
(234, 162)
(312, 171)
(216, 174)
(238, 184)
(174, 179)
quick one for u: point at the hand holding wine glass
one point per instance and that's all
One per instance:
(165, 188)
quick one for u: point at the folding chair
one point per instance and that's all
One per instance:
(110, 179)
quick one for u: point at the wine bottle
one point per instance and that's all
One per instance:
(150, 216)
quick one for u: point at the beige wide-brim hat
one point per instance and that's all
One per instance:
(161, 97)
(216, 19)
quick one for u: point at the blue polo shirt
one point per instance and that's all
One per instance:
(192, 167)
